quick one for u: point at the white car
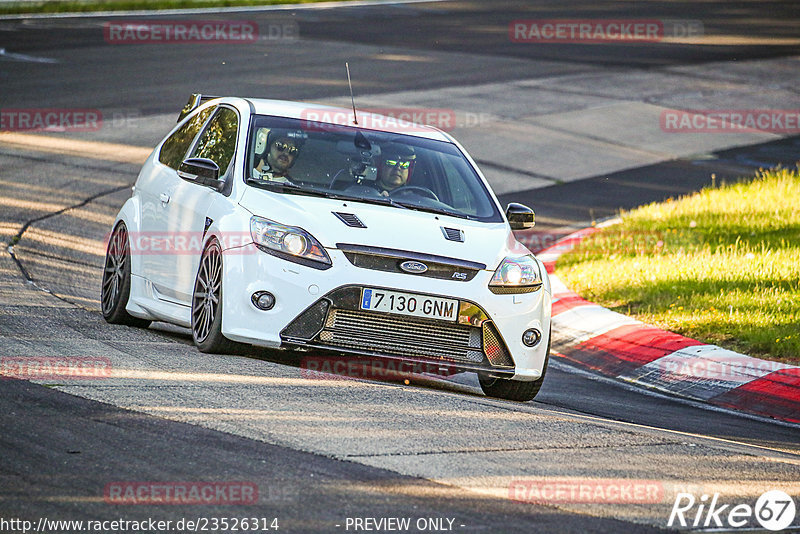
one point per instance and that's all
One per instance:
(285, 225)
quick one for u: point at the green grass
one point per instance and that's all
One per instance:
(721, 266)
(78, 6)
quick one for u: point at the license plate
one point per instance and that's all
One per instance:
(409, 304)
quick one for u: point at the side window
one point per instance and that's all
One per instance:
(174, 148)
(218, 140)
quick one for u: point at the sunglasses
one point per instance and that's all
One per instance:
(394, 162)
(283, 147)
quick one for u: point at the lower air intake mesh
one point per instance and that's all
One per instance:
(402, 336)
(494, 347)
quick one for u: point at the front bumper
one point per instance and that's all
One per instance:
(320, 310)
(337, 322)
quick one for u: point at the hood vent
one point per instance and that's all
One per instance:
(453, 234)
(350, 219)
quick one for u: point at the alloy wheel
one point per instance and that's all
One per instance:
(114, 270)
(207, 289)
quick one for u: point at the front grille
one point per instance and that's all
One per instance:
(402, 336)
(337, 322)
(389, 260)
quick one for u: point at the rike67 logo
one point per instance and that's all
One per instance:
(774, 510)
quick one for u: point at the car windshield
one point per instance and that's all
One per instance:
(295, 156)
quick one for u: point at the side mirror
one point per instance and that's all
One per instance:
(520, 217)
(201, 171)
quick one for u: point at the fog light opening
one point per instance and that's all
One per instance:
(531, 337)
(263, 300)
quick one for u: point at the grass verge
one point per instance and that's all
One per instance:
(721, 266)
(78, 6)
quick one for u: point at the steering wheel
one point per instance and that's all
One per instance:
(339, 174)
(361, 190)
(421, 191)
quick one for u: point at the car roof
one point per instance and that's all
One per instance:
(319, 113)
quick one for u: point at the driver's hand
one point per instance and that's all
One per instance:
(384, 193)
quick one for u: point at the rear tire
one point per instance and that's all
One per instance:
(207, 304)
(116, 288)
(515, 390)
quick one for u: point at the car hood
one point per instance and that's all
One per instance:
(386, 227)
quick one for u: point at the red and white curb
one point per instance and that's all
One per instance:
(621, 347)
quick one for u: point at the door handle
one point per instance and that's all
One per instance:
(164, 198)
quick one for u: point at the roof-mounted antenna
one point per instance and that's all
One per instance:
(353, 100)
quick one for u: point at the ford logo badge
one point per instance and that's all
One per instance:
(414, 267)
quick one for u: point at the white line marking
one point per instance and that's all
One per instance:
(559, 287)
(583, 323)
(23, 57)
(569, 368)
(216, 10)
(702, 372)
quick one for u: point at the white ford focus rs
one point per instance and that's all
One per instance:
(288, 225)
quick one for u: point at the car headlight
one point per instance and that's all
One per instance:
(516, 275)
(288, 242)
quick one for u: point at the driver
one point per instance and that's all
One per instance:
(395, 168)
(281, 153)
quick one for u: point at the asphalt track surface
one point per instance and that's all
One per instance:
(58, 450)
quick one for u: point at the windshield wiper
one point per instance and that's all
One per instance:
(380, 200)
(436, 210)
(287, 187)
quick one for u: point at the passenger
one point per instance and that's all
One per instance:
(395, 167)
(274, 163)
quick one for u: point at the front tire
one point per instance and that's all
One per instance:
(116, 288)
(207, 304)
(515, 390)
